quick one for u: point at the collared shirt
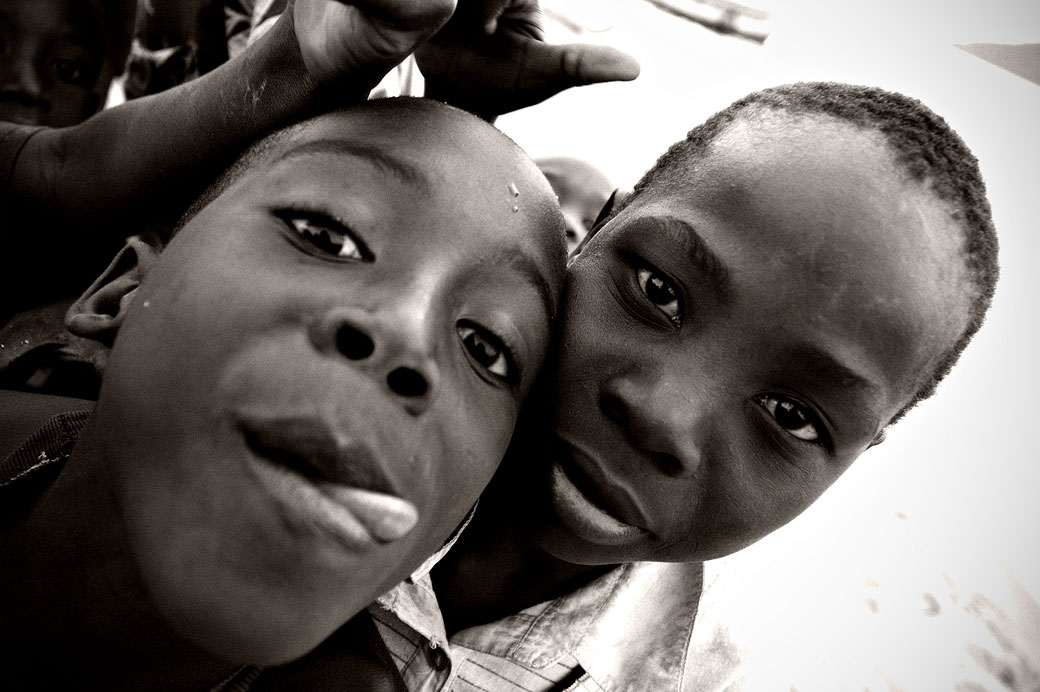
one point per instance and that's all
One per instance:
(627, 631)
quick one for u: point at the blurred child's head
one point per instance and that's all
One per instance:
(582, 190)
(783, 285)
(58, 57)
(332, 349)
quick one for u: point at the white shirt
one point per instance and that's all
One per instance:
(630, 630)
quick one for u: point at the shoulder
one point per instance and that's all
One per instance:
(13, 138)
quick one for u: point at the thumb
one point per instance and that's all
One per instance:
(577, 64)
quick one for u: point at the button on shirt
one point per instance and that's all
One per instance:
(627, 631)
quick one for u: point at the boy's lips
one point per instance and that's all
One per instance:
(317, 450)
(327, 480)
(604, 510)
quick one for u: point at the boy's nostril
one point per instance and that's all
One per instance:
(669, 465)
(407, 382)
(354, 344)
(614, 409)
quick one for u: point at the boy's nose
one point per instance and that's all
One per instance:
(658, 420)
(18, 74)
(388, 348)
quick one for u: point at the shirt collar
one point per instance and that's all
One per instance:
(629, 629)
(413, 600)
(430, 562)
(639, 640)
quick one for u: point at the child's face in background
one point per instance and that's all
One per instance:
(51, 58)
(337, 344)
(727, 350)
(582, 190)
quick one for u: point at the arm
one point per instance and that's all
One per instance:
(154, 154)
(68, 196)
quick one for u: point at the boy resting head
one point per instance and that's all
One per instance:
(309, 388)
(783, 285)
(582, 190)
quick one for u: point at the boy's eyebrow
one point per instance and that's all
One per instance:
(530, 270)
(697, 252)
(403, 170)
(825, 367)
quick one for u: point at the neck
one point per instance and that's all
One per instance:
(495, 569)
(70, 593)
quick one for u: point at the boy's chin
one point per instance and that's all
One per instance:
(261, 639)
(256, 618)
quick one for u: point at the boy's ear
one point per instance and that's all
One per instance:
(879, 438)
(99, 311)
(605, 213)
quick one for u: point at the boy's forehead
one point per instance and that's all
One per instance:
(771, 142)
(819, 179)
(815, 173)
(387, 123)
(423, 142)
(423, 138)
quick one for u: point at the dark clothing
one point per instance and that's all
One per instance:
(26, 473)
(353, 659)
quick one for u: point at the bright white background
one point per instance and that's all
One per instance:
(930, 544)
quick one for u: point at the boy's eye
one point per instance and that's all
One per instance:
(69, 71)
(661, 292)
(487, 350)
(791, 416)
(327, 235)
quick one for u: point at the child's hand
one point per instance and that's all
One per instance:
(364, 39)
(490, 59)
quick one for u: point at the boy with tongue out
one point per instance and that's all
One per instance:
(307, 390)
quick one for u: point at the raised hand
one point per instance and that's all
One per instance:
(491, 59)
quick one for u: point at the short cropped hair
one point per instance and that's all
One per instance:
(923, 145)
